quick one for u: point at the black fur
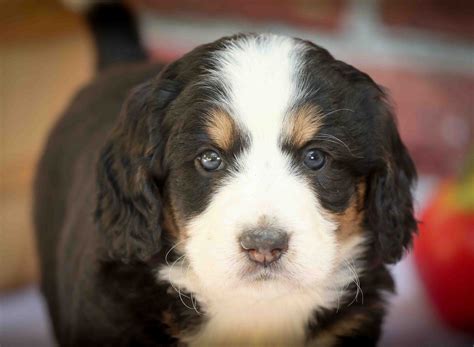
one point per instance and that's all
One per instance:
(104, 182)
(115, 34)
(389, 199)
(129, 204)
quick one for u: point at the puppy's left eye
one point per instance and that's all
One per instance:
(314, 159)
(210, 160)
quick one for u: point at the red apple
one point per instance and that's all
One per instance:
(444, 253)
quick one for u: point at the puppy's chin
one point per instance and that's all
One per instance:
(251, 282)
(267, 284)
(268, 287)
(276, 278)
(256, 273)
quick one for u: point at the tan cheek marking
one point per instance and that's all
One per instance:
(303, 125)
(221, 129)
(171, 223)
(351, 219)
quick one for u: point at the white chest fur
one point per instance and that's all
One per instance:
(280, 321)
(244, 316)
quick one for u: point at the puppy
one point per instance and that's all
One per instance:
(250, 193)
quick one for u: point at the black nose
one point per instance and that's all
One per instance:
(265, 245)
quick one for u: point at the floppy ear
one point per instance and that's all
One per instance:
(389, 200)
(128, 208)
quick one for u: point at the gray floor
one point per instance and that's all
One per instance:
(23, 320)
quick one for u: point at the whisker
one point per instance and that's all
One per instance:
(193, 299)
(180, 295)
(336, 140)
(178, 290)
(170, 250)
(338, 110)
(355, 279)
(169, 272)
(339, 294)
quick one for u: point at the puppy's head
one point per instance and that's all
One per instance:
(261, 160)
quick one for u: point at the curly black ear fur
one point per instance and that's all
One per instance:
(128, 209)
(389, 201)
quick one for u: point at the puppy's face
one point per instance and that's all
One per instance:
(267, 159)
(272, 166)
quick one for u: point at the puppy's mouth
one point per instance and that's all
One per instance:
(262, 272)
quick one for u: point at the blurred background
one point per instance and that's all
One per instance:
(421, 50)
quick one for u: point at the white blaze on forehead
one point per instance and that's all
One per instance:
(259, 76)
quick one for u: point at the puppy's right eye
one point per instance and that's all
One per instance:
(210, 160)
(314, 159)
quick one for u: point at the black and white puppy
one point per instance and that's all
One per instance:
(251, 193)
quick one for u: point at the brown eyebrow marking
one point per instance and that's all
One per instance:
(303, 124)
(221, 129)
